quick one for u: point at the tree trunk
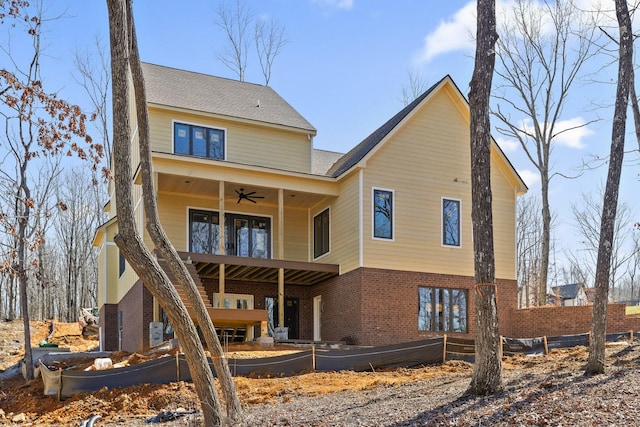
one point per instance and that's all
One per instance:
(24, 212)
(24, 305)
(487, 372)
(129, 240)
(596, 362)
(161, 241)
(545, 244)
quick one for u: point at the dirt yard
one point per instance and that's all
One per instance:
(542, 390)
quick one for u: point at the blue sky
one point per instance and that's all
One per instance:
(343, 69)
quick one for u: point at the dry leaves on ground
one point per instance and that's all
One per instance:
(541, 390)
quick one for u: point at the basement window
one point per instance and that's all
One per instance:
(442, 310)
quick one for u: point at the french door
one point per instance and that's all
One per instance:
(245, 235)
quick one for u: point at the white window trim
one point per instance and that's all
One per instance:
(393, 214)
(442, 199)
(184, 122)
(313, 235)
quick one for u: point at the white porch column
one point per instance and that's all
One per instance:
(280, 223)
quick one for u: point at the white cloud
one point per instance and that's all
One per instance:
(568, 133)
(458, 32)
(573, 132)
(451, 35)
(338, 4)
(508, 145)
(529, 177)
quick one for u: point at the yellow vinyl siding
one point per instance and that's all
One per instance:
(425, 160)
(344, 226)
(173, 211)
(296, 237)
(245, 143)
(112, 274)
(504, 221)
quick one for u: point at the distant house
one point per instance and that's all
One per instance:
(370, 247)
(568, 295)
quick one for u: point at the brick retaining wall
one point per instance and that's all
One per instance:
(555, 321)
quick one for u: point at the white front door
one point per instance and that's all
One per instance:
(317, 310)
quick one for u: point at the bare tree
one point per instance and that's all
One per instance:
(37, 127)
(74, 230)
(414, 88)
(234, 19)
(596, 361)
(588, 219)
(161, 240)
(629, 286)
(487, 371)
(574, 272)
(123, 56)
(269, 38)
(541, 52)
(93, 75)
(528, 237)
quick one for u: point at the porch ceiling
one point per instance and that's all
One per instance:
(174, 184)
(261, 270)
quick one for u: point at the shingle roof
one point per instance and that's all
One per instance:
(359, 151)
(566, 291)
(323, 160)
(216, 95)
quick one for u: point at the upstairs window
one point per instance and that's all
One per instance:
(321, 233)
(451, 222)
(382, 214)
(199, 141)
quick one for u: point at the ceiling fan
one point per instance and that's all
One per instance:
(247, 196)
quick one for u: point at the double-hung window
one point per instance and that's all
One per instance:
(199, 141)
(382, 214)
(442, 310)
(321, 233)
(450, 222)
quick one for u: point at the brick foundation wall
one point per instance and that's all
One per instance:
(340, 316)
(554, 321)
(137, 312)
(389, 304)
(109, 325)
(372, 306)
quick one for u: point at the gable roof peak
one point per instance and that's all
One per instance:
(358, 152)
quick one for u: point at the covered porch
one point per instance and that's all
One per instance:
(233, 310)
(241, 224)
